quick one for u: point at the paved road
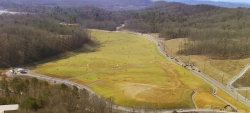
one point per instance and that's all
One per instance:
(115, 107)
(49, 79)
(194, 92)
(242, 72)
(208, 78)
(192, 69)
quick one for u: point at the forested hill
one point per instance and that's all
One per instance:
(39, 34)
(77, 3)
(162, 14)
(213, 31)
(215, 3)
(179, 8)
(28, 38)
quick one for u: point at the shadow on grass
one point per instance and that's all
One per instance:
(86, 48)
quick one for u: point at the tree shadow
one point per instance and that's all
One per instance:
(90, 47)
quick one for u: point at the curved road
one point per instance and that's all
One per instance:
(122, 108)
(206, 77)
(194, 92)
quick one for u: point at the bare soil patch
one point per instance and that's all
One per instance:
(132, 89)
(243, 81)
(151, 93)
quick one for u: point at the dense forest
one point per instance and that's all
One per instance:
(87, 16)
(213, 31)
(28, 38)
(47, 31)
(34, 96)
(78, 3)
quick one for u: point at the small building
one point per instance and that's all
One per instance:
(21, 70)
(8, 107)
(63, 23)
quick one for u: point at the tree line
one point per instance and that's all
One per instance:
(34, 96)
(220, 33)
(37, 35)
(88, 16)
(213, 31)
(29, 38)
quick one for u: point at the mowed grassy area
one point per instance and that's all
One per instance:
(129, 68)
(221, 70)
(241, 107)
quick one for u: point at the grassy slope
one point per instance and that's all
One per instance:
(129, 68)
(241, 107)
(228, 68)
(213, 68)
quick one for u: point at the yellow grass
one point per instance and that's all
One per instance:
(214, 68)
(233, 101)
(130, 69)
(245, 93)
(206, 100)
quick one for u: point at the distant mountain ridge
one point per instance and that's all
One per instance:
(129, 4)
(73, 3)
(181, 9)
(221, 4)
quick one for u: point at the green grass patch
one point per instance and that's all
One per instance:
(130, 69)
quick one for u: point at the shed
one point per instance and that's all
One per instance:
(8, 107)
(21, 70)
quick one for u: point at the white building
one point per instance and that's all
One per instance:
(8, 107)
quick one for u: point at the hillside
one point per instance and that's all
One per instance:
(217, 32)
(222, 28)
(217, 3)
(76, 3)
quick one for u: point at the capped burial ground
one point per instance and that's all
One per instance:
(129, 68)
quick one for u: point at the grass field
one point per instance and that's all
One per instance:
(221, 70)
(241, 107)
(245, 93)
(129, 68)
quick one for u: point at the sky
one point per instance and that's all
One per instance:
(244, 1)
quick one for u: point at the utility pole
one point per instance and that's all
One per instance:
(222, 78)
(188, 59)
(110, 104)
(204, 68)
(171, 51)
(246, 94)
(164, 45)
(179, 47)
(237, 96)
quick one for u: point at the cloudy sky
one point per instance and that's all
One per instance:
(244, 1)
(248, 1)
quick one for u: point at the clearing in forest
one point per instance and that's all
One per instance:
(221, 70)
(129, 68)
